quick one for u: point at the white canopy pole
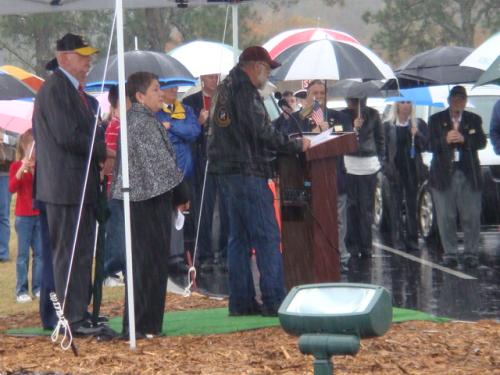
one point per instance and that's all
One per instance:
(125, 177)
(235, 30)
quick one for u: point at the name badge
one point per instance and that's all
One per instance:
(338, 128)
(456, 156)
(472, 131)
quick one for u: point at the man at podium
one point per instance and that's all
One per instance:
(240, 142)
(312, 118)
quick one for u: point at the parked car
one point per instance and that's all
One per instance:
(480, 101)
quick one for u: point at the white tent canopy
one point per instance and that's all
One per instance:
(44, 6)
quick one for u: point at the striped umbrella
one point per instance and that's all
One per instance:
(330, 60)
(11, 88)
(290, 38)
(30, 80)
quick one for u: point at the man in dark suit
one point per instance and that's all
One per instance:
(64, 119)
(455, 177)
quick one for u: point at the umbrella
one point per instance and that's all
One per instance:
(492, 75)
(30, 80)
(290, 38)
(356, 89)
(438, 66)
(15, 115)
(329, 59)
(484, 55)
(11, 88)
(170, 71)
(202, 57)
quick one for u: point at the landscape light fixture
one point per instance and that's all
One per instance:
(331, 318)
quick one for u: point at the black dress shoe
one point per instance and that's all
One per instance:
(269, 312)
(254, 310)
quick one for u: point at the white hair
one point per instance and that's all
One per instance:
(393, 117)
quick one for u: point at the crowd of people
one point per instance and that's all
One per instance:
(213, 151)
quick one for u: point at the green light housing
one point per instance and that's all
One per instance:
(362, 310)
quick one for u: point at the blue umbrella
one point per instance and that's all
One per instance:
(418, 96)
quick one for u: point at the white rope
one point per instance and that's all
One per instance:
(192, 270)
(191, 273)
(62, 323)
(62, 320)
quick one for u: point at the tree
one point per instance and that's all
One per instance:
(411, 26)
(30, 40)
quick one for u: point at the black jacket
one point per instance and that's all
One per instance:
(241, 139)
(371, 134)
(63, 127)
(443, 165)
(417, 168)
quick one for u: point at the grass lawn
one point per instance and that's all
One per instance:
(8, 304)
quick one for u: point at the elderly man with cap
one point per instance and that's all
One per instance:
(241, 141)
(64, 121)
(455, 176)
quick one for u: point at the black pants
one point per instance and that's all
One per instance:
(403, 200)
(150, 228)
(62, 220)
(360, 203)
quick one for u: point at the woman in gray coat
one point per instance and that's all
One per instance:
(156, 187)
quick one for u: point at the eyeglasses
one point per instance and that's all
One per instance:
(405, 102)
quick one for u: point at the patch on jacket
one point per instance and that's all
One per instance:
(222, 118)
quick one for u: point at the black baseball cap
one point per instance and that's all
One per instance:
(75, 43)
(458, 91)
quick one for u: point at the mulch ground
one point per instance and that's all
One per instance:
(408, 348)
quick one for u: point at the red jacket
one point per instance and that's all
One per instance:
(24, 190)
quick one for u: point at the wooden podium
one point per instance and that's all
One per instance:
(308, 202)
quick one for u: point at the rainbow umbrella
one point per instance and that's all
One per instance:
(29, 79)
(15, 115)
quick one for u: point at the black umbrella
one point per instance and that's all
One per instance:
(438, 66)
(12, 89)
(355, 89)
(169, 70)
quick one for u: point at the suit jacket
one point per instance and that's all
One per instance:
(63, 127)
(443, 165)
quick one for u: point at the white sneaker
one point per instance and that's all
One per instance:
(23, 298)
(112, 282)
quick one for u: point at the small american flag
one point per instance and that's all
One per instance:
(317, 113)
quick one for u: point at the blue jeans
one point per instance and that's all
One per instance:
(5, 196)
(252, 224)
(28, 235)
(114, 248)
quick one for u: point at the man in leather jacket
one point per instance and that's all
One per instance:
(240, 139)
(455, 176)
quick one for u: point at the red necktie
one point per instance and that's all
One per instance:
(83, 96)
